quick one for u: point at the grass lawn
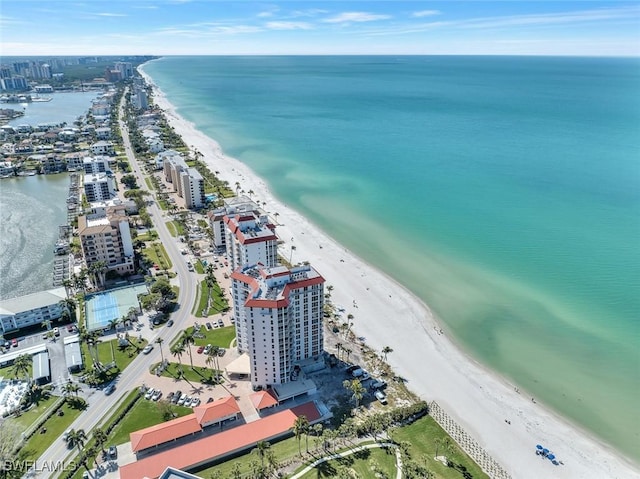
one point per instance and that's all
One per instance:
(196, 375)
(175, 228)
(147, 180)
(218, 301)
(8, 372)
(360, 462)
(202, 299)
(26, 419)
(218, 336)
(149, 236)
(282, 450)
(156, 254)
(145, 413)
(122, 357)
(199, 267)
(54, 426)
(422, 435)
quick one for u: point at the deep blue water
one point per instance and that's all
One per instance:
(503, 191)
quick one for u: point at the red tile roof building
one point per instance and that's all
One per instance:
(203, 451)
(217, 411)
(164, 432)
(278, 315)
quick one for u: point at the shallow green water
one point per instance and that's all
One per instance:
(503, 191)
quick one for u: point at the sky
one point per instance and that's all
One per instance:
(244, 27)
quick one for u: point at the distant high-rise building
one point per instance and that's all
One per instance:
(125, 68)
(234, 205)
(250, 239)
(187, 182)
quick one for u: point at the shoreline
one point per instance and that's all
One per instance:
(436, 367)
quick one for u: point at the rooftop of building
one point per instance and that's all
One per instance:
(216, 410)
(164, 432)
(32, 301)
(203, 451)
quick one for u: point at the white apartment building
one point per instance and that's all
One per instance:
(192, 188)
(278, 316)
(107, 238)
(186, 181)
(163, 155)
(24, 311)
(94, 165)
(98, 187)
(102, 148)
(232, 206)
(250, 239)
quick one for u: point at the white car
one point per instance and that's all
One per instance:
(149, 393)
(147, 349)
(207, 348)
(195, 402)
(183, 399)
(381, 397)
(156, 395)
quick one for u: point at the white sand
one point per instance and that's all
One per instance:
(436, 369)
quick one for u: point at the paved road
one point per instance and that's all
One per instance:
(134, 374)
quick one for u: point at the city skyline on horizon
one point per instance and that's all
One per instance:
(186, 27)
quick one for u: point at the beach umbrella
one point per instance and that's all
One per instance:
(539, 447)
(551, 457)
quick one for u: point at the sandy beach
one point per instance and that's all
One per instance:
(507, 423)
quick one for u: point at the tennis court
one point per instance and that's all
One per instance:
(100, 308)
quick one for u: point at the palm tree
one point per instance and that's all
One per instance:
(276, 214)
(293, 248)
(69, 305)
(159, 342)
(46, 324)
(250, 193)
(21, 365)
(68, 286)
(318, 430)
(71, 388)
(300, 426)
(177, 351)
(339, 347)
(348, 351)
(77, 439)
(386, 350)
(188, 340)
(356, 388)
(101, 438)
(444, 443)
(212, 358)
(261, 449)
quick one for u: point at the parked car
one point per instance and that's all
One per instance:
(200, 349)
(221, 351)
(208, 325)
(109, 389)
(380, 396)
(147, 349)
(220, 323)
(195, 402)
(170, 323)
(71, 328)
(379, 384)
(207, 348)
(169, 397)
(357, 373)
(149, 393)
(56, 331)
(113, 452)
(156, 395)
(183, 399)
(14, 342)
(176, 397)
(210, 400)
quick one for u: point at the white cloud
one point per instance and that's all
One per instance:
(288, 26)
(111, 15)
(310, 12)
(425, 13)
(348, 17)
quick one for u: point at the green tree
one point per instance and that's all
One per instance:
(386, 350)
(261, 450)
(300, 426)
(21, 366)
(159, 342)
(101, 439)
(77, 439)
(356, 388)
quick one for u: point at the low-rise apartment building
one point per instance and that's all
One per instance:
(25, 311)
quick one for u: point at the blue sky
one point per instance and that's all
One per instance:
(195, 27)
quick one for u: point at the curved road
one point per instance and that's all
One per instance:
(133, 376)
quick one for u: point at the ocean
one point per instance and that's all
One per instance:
(502, 191)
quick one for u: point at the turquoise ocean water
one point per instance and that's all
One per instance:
(503, 191)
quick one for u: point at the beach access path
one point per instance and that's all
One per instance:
(387, 314)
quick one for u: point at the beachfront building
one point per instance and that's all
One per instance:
(250, 239)
(164, 155)
(75, 160)
(235, 205)
(31, 309)
(186, 181)
(107, 238)
(99, 187)
(278, 316)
